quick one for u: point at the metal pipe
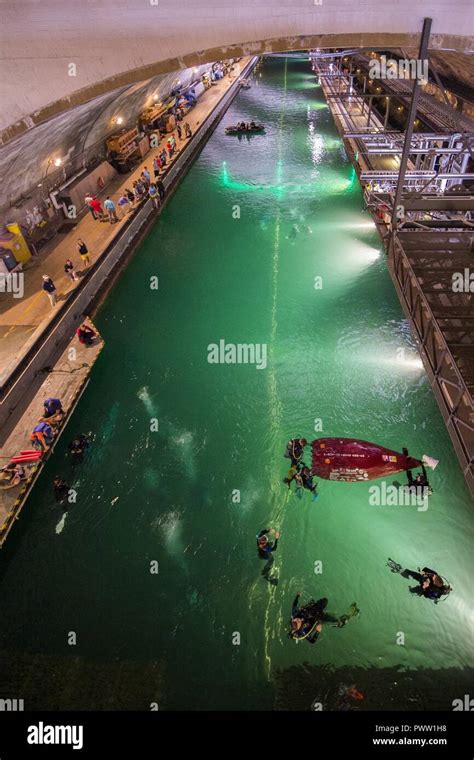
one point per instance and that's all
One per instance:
(422, 55)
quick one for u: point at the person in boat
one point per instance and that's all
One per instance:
(252, 125)
(11, 475)
(61, 489)
(304, 479)
(306, 620)
(295, 450)
(77, 447)
(42, 436)
(85, 334)
(266, 550)
(430, 584)
(53, 410)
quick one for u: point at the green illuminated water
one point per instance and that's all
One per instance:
(230, 267)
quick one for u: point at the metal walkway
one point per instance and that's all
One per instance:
(422, 265)
(430, 250)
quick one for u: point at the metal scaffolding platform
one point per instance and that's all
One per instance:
(422, 265)
(423, 204)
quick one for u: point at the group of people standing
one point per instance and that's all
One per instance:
(49, 286)
(144, 187)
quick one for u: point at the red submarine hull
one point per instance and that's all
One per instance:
(352, 460)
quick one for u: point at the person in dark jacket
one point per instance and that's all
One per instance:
(50, 289)
(85, 334)
(161, 189)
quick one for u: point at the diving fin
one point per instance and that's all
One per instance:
(394, 566)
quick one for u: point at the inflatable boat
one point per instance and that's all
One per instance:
(236, 129)
(350, 460)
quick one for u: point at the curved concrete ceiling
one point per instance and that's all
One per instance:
(76, 136)
(61, 54)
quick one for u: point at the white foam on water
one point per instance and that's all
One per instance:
(144, 396)
(170, 525)
(250, 495)
(60, 525)
(183, 444)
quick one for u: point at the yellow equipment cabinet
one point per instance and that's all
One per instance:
(13, 240)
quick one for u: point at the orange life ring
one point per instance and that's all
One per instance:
(101, 183)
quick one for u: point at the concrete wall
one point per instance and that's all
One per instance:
(106, 44)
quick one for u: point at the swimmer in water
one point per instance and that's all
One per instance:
(293, 232)
(77, 447)
(265, 550)
(61, 490)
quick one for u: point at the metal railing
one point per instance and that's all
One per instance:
(449, 385)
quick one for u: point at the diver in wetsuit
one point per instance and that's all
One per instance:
(420, 483)
(77, 447)
(293, 232)
(61, 489)
(265, 551)
(304, 479)
(430, 584)
(295, 450)
(306, 620)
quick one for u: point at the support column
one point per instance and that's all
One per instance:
(363, 93)
(387, 109)
(370, 111)
(422, 55)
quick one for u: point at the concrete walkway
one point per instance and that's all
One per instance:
(66, 381)
(22, 320)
